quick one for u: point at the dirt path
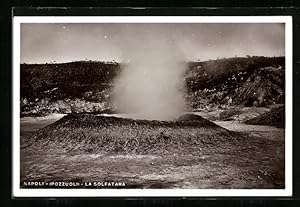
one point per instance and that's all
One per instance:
(264, 132)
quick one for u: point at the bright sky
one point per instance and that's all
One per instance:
(49, 42)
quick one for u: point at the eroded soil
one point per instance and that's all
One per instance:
(256, 160)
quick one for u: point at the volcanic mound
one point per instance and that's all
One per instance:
(274, 117)
(96, 133)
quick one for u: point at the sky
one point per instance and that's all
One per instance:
(57, 42)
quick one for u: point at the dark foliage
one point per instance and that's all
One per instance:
(66, 80)
(214, 73)
(250, 81)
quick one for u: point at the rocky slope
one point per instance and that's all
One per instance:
(85, 86)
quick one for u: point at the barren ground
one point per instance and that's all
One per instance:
(255, 160)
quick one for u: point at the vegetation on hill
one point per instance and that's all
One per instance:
(85, 86)
(250, 81)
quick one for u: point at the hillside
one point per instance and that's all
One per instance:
(84, 86)
(274, 117)
(252, 81)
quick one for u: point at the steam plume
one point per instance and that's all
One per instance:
(151, 82)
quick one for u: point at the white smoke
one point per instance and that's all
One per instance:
(151, 83)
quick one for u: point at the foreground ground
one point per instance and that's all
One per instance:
(254, 159)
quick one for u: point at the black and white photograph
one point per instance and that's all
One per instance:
(141, 106)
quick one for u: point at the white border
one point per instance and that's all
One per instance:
(17, 192)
